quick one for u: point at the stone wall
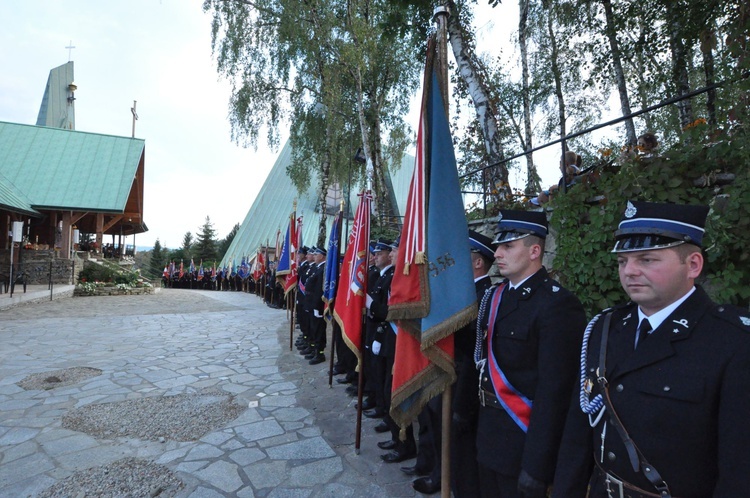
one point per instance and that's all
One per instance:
(37, 265)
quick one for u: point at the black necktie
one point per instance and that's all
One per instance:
(643, 329)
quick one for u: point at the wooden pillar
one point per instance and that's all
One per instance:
(100, 231)
(67, 236)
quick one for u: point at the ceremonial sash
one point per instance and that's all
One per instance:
(513, 402)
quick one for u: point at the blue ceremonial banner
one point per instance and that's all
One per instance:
(285, 259)
(432, 292)
(332, 266)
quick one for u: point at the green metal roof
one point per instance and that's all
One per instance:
(13, 199)
(63, 169)
(271, 208)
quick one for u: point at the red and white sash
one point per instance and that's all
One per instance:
(515, 404)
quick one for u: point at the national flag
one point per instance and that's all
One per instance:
(182, 269)
(165, 273)
(261, 260)
(432, 292)
(171, 269)
(213, 271)
(351, 294)
(286, 271)
(200, 271)
(332, 265)
(242, 269)
(192, 266)
(278, 244)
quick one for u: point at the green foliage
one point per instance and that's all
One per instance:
(585, 225)
(227, 241)
(204, 248)
(107, 272)
(97, 273)
(157, 261)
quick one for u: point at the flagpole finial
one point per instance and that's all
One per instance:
(294, 204)
(341, 205)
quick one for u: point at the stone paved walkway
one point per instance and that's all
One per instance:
(296, 439)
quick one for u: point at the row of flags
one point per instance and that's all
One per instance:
(432, 292)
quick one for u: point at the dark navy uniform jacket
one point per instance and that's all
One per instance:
(314, 288)
(378, 312)
(683, 396)
(465, 401)
(537, 343)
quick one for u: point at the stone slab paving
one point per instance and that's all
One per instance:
(295, 439)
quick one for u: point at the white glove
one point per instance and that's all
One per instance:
(375, 347)
(368, 302)
(317, 314)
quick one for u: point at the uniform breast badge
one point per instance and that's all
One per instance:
(588, 386)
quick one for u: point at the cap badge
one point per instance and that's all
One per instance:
(745, 321)
(630, 210)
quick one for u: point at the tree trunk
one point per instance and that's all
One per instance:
(679, 66)
(708, 40)
(557, 75)
(622, 88)
(532, 177)
(472, 73)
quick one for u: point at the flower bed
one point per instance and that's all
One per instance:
(110, 289)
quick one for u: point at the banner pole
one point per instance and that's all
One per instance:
(440, 17)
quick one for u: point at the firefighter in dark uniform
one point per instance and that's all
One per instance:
(533, 327)
(303, 273)
(465, 405)
(302, 267)
(314, 306)
(665, 381)
(376, 327)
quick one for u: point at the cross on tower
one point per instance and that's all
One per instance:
(70, 48)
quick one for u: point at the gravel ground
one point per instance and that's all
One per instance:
(184, 417)
(58, 378)
(129, 477)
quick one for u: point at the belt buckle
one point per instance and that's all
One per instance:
(618, 491)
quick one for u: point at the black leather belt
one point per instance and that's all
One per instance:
(488, 398)
(617, 488)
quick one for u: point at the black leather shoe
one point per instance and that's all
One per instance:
(307, 350)
(414, 471)
(312, 355)
(387, 445)
(398, 456)
(426, 486)
(374, 413)
(352, 390)
(382, 427)
(319, 358)
(367, 404)
(338, 370)
(345, 380)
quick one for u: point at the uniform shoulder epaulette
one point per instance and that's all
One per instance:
(733, 315)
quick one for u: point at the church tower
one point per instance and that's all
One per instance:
(58, 104)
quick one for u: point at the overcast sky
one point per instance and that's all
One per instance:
(157, 52)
